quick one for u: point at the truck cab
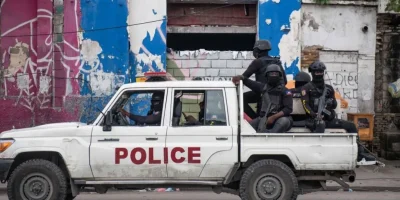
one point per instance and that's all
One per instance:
(200, 138)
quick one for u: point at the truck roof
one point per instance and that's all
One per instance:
(181, 84)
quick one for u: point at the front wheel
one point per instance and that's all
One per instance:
(268, 180)
(37, 180)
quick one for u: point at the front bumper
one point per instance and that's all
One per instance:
(5, 165)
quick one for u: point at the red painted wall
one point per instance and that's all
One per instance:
(38, 70)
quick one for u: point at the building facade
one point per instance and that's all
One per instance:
(62, 60)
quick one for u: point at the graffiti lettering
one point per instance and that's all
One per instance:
(347, 93)
(139, 155)
(342, 79)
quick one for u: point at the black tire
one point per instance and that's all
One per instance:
(268, 180)
(40, 177)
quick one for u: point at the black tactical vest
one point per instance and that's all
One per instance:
(275, 96)
(261, 74)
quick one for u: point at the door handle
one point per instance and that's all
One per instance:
(221, 138)
(109, 140)
(151, 138)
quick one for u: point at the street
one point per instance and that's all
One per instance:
(212, 196)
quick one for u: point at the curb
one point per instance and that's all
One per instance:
(329, 189)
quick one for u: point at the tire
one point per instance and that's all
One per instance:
(268, 180)
(37, 177)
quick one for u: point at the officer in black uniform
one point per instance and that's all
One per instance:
(278, 115)
(153, 118)
(313, 91)
(258, 67)
(300, 79)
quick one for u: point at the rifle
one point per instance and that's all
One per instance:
(266, 107)
(319, 122)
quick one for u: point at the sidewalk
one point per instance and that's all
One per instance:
(385, 179)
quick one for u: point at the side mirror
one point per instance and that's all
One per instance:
(107, 122)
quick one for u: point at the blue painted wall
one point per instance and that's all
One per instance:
(279, 13)
(100, 14)
(117, 57)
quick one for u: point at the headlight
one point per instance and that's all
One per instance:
(5, 143)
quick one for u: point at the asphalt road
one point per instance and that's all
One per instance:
(212, 196)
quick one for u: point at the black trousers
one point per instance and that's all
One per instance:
(251, 97)
(281, 125)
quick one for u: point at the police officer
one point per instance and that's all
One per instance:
(280, 98)
(312, 92)
(300, 79)
(154, 118)
(258, 67)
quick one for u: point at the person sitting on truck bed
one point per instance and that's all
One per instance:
(276, 117)
(258, 67)
(311, 93)
(153, 118)
(300, 79)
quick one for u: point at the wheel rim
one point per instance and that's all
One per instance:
(269, 187)
(36, 186)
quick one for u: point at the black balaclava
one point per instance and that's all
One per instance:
(257, 53)
(157, 101)
(274, 78)
(299, 84)
(318, 78)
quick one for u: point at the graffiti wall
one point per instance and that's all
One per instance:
(347, 37)
(62, 60)
(39, 68)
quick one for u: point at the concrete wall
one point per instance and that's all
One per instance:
(334, 33)
(207, 65)
(281, 27)
(387, 70)
(60, 60)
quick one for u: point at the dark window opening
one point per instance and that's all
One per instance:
(211, 41)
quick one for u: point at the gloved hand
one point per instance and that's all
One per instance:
(236, 79)
(329, 103)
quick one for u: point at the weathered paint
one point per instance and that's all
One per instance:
(147, 36)
(281, 28)
(62, 77)
(104, 53)
(348, 51)
(29, 54)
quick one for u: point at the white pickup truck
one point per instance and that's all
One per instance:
(221, 151)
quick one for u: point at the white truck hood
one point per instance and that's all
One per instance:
(59, 129)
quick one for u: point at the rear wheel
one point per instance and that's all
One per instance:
(268, 180)
(37, 180)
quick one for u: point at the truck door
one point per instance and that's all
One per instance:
(199, 137)
(130, 149)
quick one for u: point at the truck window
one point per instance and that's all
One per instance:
(143, 108)
(199, 108)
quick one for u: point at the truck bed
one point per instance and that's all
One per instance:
(333, 150)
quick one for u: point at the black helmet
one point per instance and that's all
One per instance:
(274, 68)
(302, 77)
(157, 96)
(262, 45)
(317, 66)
